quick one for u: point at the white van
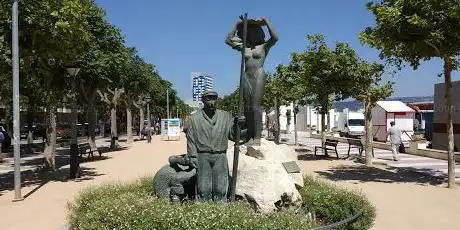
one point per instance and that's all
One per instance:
(351, 124)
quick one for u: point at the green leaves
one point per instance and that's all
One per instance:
(412, 31)
(321, 73)
(366, 87)
(230, 103)
(54, 34)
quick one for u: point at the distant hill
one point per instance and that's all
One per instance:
(356, 105)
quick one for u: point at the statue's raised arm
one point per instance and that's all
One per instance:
(273, 35)
(233, 40)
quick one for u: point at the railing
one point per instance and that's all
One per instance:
(342, 222)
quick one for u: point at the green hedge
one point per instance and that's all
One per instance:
(132, 206)
(331, 204)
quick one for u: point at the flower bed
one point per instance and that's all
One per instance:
(132, 206)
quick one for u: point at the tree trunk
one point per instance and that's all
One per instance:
(92, 119)
(295, 126)
(113, 128)
(288, 122)
(50, 144)
(277, 117)
(129, 125)
(30, 123)
(74, 161)
(318, 123)
(368, 133)
(450, 128)
(267, 123)
(309, 118)
(141, 121)
(323, 124)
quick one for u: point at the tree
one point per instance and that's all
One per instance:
(52, 36)
(97, 63)
(137, 83)
(184, 109)
(414, 31)
(230, 102)
(275, 96)
(365, 87)
(320, 66)
(268, 103)
(292, 93)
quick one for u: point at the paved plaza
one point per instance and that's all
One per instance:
(424, 165)
(403, 200)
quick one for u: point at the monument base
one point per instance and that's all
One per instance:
(268, 176)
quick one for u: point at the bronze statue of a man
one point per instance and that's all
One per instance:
(254, 78)
(208, 132)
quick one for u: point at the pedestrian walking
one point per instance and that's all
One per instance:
(5, 140)
(395, 140)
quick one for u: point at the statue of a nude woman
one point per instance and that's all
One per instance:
(254, 76)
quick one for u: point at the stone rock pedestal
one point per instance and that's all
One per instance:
(263, 180)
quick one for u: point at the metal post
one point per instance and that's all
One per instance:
(149, 125)
(167, 102)
(16, 114)
(74, 141)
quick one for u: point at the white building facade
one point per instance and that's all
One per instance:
(307, 118)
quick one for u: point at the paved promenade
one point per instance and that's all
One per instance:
(403, 200)
(424, 165)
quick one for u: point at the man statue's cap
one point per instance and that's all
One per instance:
(210, 93)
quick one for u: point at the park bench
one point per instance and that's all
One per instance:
(355, 143)
(85, 148)
(329, 145)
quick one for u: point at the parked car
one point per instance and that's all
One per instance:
(63, 130)
(38, 130)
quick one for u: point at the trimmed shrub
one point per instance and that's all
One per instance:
(330, 204)
(133, 206)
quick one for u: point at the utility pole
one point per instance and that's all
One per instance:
(74, 161)
(149, 124)
(16, 114)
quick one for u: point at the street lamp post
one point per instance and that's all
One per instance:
(149, 123)
(16, 115)
(167, 103)
(74, 164)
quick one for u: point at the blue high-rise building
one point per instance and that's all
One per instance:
(200, 83)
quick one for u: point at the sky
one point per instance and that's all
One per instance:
(184, 36)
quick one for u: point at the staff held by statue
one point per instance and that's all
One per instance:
(240, 111)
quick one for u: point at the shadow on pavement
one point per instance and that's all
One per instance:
(312, 157)
(39, 179)
(363, 173)
(107, 149)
